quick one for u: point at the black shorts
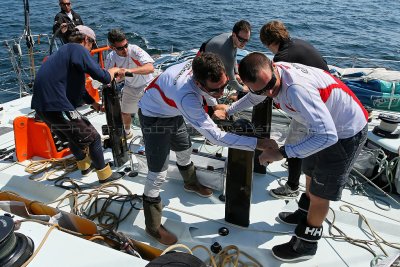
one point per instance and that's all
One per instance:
(160, 136)
(329, 168)
(70, 126)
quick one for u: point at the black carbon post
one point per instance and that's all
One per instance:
(261, 119)
(116, 131)
(239, 179)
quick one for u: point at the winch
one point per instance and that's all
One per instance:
(388, 126)
(15, 248)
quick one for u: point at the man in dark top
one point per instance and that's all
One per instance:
(65, 21)
(225, 45)
(60, 87)
(276, 38)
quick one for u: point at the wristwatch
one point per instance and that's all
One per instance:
(282, 151)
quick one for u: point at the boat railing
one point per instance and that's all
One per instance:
(19, 64)
(361, 62)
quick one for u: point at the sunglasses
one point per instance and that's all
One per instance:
(120, 48)
(242, 40)
(66, 4)
(216, 91)
(269, 85)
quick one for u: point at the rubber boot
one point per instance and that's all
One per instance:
(152, 208)
(294, 218)
(106, 175)
(302, 246)
(191, 184)
(85, 166)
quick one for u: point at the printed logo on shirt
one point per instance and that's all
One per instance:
(186, 67)
(299, 68)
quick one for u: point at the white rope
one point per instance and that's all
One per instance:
(168, 249)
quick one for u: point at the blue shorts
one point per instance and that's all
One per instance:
(329, 168)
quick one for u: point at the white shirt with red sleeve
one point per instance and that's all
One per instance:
(175, 93)
(136, 57)
(323, 104)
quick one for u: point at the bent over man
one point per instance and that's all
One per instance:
(175, 95)
(336, 124)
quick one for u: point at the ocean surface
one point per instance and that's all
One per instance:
(362, 28)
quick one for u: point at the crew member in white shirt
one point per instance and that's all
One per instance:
(336, 129)
(134, 59)
(177, 95)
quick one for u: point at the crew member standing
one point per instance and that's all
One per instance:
(276, 38)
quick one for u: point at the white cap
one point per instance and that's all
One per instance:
(86, 31)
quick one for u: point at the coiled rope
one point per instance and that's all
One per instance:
(49, 167)
(366, 244)
(228, 256)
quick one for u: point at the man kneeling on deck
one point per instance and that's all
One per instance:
(175, 95)
(337, 129)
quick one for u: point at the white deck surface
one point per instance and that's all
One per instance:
(65, 250)
(196, 220)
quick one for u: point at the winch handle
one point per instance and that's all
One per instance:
(128, 74)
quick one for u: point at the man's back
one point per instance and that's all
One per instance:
(60, 81)
(305, 91)
(299, 51)
(163, 97)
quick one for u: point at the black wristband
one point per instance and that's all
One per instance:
(282, 151)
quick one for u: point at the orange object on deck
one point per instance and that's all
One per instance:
(99, 52)
(93, 92)
(67, 220)
(34, 138)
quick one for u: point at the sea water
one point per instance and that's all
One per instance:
(354, 28)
